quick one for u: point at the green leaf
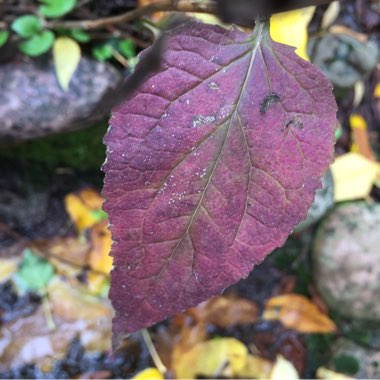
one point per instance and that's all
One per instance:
(99, 215)
(66, 53)
(34, 272)
(4, 34)
(56, 8)
(38, 44)
(127, 48)
(102, 52)
(27, 26)
(80, 35)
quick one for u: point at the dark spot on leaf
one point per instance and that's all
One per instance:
(295, 121)
(268, 102)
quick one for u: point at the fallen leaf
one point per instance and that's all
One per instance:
(256, 368)
(290, 28)
(376, 92)
(283, 369)
(34, 272)
(91, 198)
(225, 311)
(214, 358)
(325, 373)
(210, 164)
(360, 137)
(66, 54)
(30, 340)
(101, 241)
(8, 266)
(330, 14)
(298, 313)
(73, 302)
(67, 255)
(188, 337)
(354, 176)
(149, 374)
(84, 208)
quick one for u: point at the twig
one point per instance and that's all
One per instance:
(159, 6)
(153, 352)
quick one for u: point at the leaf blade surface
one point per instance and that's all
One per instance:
(210, 165)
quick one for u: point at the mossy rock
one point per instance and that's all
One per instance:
(354, 360)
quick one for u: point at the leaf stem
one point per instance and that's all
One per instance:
(153, 352)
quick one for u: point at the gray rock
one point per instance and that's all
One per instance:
(323, 201)
(346, 261)
(355, 360)
(32, 103)
(342, 58)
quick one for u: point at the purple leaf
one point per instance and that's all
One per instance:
(210, 165)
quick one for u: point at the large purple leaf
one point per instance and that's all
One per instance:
(210, 165)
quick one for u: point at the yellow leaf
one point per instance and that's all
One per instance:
(79, 213)
(82, 208)
(298, 313)
(214, 358)
(360, 139)
(357, 121)
(354, 176)
(376, 93)
(290, 28)
(283, 369)
(66, 53)
(324, 373)
(101, 240)
(8, 266)
(256, 368)
(149, 374)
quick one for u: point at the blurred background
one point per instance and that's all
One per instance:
(312, 309)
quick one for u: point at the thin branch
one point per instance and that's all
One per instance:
(159, 6)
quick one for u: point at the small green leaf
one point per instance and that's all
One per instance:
(27, 26)
(66, 53)
(127, 48)
(56, 8)
(4, 34)
(34, 272)
(80, 35)
(38, 44)
(99, 215)
(102, 52)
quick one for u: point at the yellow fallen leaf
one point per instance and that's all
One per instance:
(149, 374)
(360, 137)
(354, 176)
(66, 54)
(97, 283)
(8, 266)
(283, 369)
(298, 313)
(290, 28)
(101, 241)
(324, 373)
(376, 93)
(256, 368)
(214, 358)
(84, 208)
(79, 213)
(91, 198)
